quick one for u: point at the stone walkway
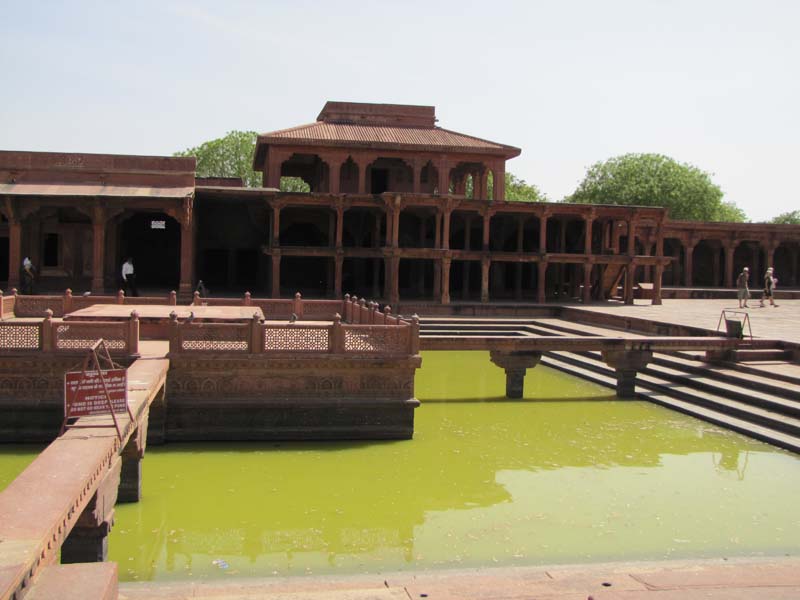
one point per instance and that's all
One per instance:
(782, 323)
(735, 579)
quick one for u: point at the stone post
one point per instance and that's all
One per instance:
(337, 278)
(541, 291)
(627, 363)
(730, 250)
(337, 335)
(543, 233)
(275, 241)
(687, 267)
(445, 286)
(276, 274)
(130, 484)
(48, 341)
(133, 335)
(88, 540)
(98, 249)
(499, 182)
(515, 365)
(187, 249)
(485, 265)
(67, 302)
(587, 282)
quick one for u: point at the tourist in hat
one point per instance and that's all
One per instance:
(28, 274)
(743, 291)
(129, 278)
(769, 287)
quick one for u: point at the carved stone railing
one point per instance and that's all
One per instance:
(24, 306)
(70, 337)
(294, 338)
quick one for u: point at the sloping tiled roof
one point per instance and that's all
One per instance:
(384, 136)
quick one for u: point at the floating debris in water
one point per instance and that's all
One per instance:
(220, 563)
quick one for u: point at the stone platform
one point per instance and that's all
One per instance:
(735, 579)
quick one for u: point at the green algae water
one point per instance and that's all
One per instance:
(14, 458)
(566, 475)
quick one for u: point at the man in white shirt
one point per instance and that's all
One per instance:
(129, 278)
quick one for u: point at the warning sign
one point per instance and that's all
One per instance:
(85, 395)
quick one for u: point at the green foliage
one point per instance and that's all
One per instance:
(517, 190)
(656, 180)
(294, 184)
(787, 218)
(229, 156)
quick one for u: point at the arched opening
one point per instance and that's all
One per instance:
(312, 276)
(466, 230)
(363, 228)
(348, 177)
(153, 241)
(389, 175)
(415, 278)
(308, 167)
(506, 232)
(228, 239)
(785, 264)
(417, 228)
(302, 226)
(429, 179)
(465, 280)
(673, 272)
(708, 264)
(363, 277)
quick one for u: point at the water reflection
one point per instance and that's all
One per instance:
(482, 483)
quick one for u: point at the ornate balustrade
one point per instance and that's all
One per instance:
(258, 337)
(47, 335)
(24, 306)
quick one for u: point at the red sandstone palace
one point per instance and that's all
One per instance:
(388, 216)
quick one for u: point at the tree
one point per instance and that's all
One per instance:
(517, 190)
(656, 180)
(232, 156)
(787, 218)
(229, 156)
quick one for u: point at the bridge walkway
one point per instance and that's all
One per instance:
(81, 469)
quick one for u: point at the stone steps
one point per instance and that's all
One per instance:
(749, 400)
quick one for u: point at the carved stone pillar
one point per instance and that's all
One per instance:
(515, 365)
(485, 265)
(98, 249)
(630, 271)
(487, 216)
(437, 235)
(687, 267)
(627, 363)
(543, 233)
(339, 223)
(276, 274)
(632, 237)
(275, 240)
(730, 250)
(14, 244)
(185, 287)
(448, 212)
(587, 235)
(499, 182)
(337, 277)
(444, 176)
(587, 282)
(416, 170)
(334, 174)
(445, 270)
(541, 290)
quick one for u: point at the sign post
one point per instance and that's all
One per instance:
(96, 391)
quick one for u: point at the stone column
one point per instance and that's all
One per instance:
(715, 266)
(515, 365)
(339, 223)
(185, 287)
(14, 244)
(276, 274)
(630, 271)
(543, 233)
(445, 285)
(587, 235)
(448, 212)
(487, 216)
(334, 174)
(362, 164)
(337, 277)
(276, 225)
(437, 236)
(730, 250)
(98, 249)
(587, 282)
(395, 242)
(444, 176)
(541, 291)
(500, 182)
(627, 363)
(88, 540)
(632, 237)
(130, 485)
(416, 170)
(659, 270)
(687, 267)
(485, 265)
(392, 279)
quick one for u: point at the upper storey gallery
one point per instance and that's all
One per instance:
(360, 148)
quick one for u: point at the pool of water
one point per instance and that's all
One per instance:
(566, 475)
(14, 458)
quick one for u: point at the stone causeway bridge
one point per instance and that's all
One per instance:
(219, 369)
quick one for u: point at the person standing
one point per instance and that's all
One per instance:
(743, 291)
(129, 278)
(28, 274)
(769, 287)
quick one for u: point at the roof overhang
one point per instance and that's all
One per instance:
(105, 191)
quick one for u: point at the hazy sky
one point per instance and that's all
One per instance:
(712, 83)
